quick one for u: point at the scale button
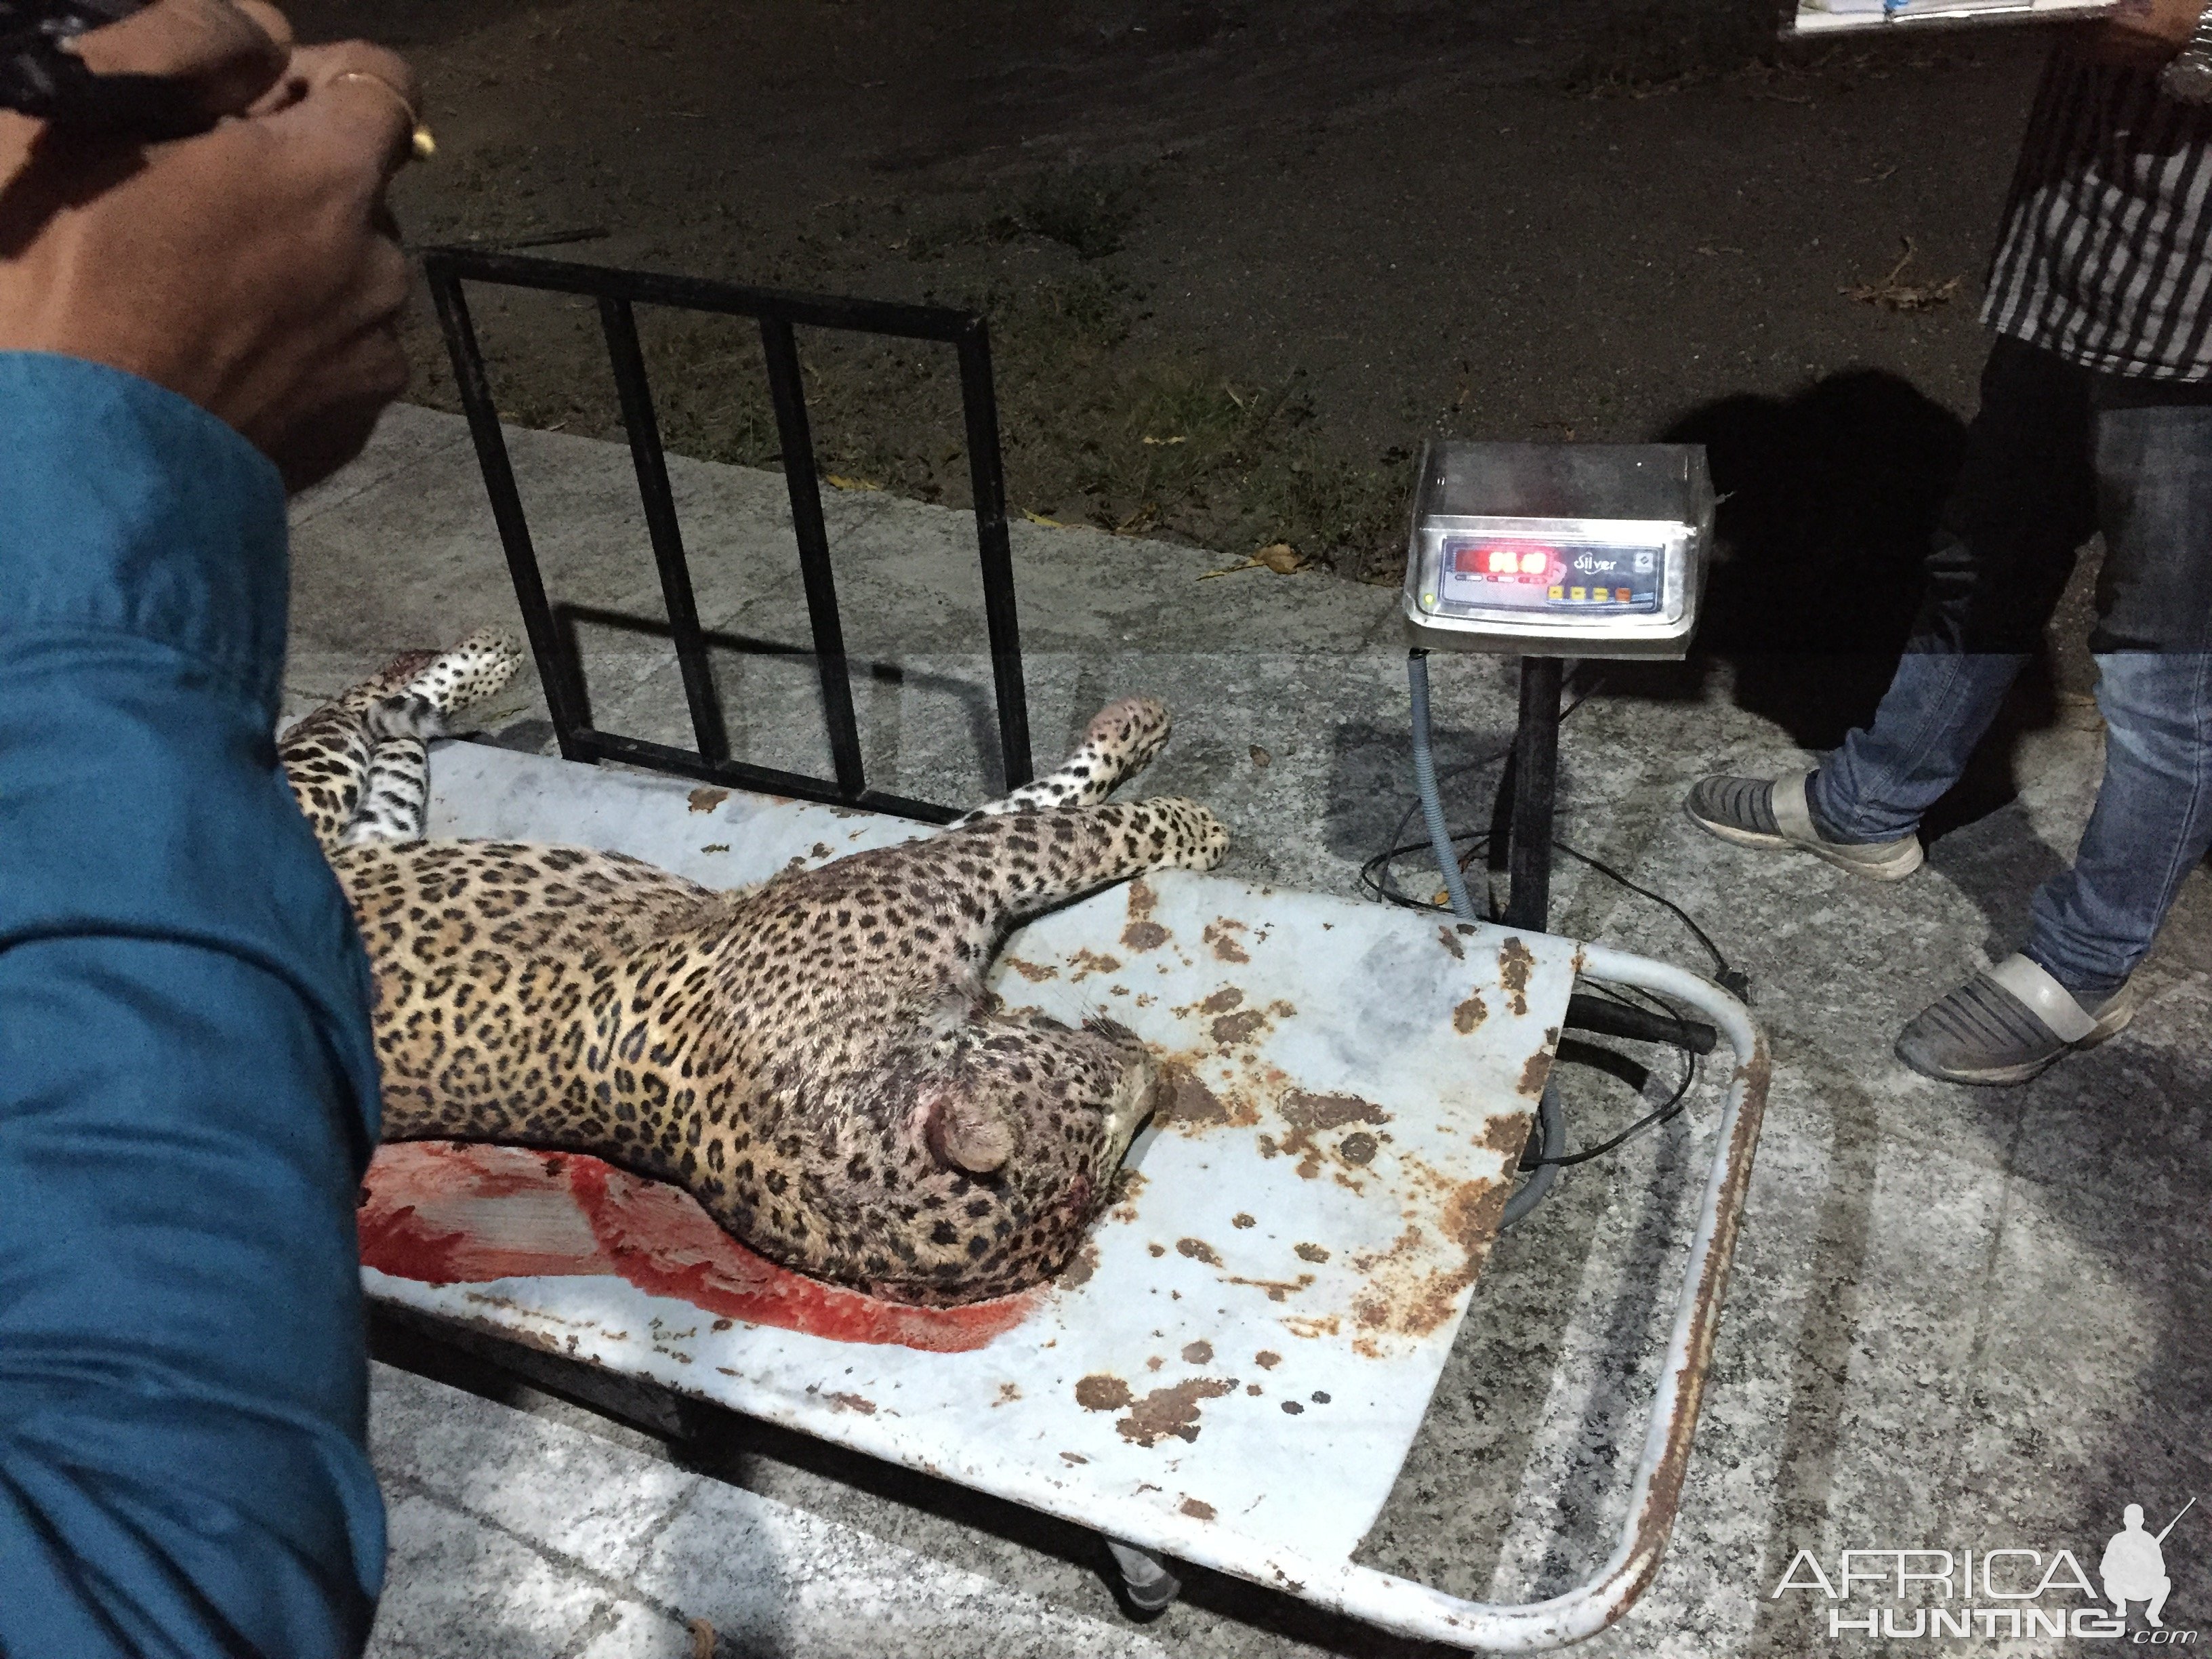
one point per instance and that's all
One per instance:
(1579, 592)
(1557, 593)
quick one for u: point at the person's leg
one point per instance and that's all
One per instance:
(2024, 503)
(2157, 1604)
(2153, 820)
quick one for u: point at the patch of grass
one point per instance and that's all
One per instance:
(1657, 46)
(1099, 424)
(710, 388)
(1089, 208)
(1352, 515)
(1176, 447)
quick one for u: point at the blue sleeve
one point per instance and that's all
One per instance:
(188, 1090)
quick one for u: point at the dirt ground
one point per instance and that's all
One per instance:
(1239, 259)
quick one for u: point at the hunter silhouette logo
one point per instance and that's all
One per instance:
(2133, 1567)
(1996, 1594)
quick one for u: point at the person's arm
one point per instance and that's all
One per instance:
(186, 1093)
(2143, 33)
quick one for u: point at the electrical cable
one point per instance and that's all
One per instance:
(1376, 879)
(1667, 1110)
(1544, 1169)
(1384, 889)
(1734, 980)
(1376, 876)
(1551, 1121)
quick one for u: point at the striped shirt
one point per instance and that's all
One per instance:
(2104, 256)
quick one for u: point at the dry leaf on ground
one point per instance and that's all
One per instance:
(1279, 557)
(1893, 293)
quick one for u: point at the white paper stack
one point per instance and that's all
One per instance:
(1833, 16)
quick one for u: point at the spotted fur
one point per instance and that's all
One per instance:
(359, 767)
(816, 1059)
(1122, 742)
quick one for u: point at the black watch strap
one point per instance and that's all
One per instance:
(2188, 78)
(41, 77)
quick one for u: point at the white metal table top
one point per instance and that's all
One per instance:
(1235, 1367)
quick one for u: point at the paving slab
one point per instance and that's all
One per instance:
(514, 1533)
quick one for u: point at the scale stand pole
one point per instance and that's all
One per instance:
(1521, 821)
(1529, 794)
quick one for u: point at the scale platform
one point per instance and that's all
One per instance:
(1234, 1368)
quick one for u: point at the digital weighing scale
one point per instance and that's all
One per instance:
(1546, 551)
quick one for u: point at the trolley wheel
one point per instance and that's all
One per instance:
(1146, 1581)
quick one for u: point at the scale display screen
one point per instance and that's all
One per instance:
(1574, 577)
(1557, 549)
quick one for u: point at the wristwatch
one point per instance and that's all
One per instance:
(39, 78)
(2187, 79)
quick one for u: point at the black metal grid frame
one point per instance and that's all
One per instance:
(559, 662)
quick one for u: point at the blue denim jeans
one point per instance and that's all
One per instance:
(2055, 453)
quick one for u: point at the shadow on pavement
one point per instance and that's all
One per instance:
(1828, 499)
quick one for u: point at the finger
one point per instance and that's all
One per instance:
(226, 56)
(287, 87)
(365, 376)
(360, 102)
(327, 66)
(269, 20)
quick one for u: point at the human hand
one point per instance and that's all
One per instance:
(255, 270)
(2145, 33)
(223, 53)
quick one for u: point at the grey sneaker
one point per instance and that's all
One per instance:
(2006, 1025)
(1752, 812)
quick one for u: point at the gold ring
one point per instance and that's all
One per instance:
(420, 145)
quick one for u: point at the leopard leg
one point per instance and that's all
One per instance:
(428, 701)
(395, 804)
(327, 760)
(367, 747)
(937, 908)
(946, 902)
(1121, 741)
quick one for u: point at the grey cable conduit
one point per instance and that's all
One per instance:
(1551, 1121)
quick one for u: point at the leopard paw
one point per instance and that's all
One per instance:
(1128, 735)
(479, 667)
(1196, 838)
